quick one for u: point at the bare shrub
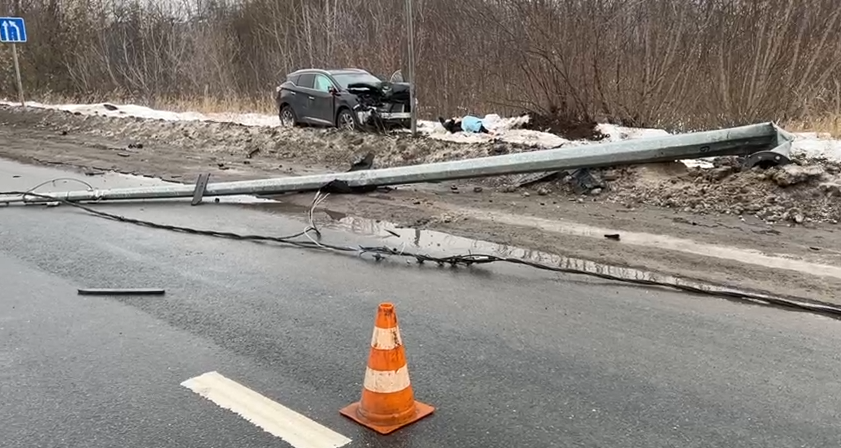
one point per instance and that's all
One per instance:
(664, 63)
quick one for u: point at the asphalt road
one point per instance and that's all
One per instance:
(510, 357)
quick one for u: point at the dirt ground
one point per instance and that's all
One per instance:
(773, 230)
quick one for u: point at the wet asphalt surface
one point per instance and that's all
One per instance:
(510, 357)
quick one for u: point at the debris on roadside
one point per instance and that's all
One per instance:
(796, 193)
(795, 174)
(121, 291)
(586, 181)
(792, 193)
(366, 162)
(498, 149)
(529, 179)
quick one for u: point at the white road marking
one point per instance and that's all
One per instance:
(274, 418)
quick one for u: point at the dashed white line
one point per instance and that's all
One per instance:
(274, 418)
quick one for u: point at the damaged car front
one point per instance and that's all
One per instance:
(380, 104)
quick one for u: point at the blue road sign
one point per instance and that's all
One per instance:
(12, 30)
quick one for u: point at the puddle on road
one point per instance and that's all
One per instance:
(427, 239)
(435, 243)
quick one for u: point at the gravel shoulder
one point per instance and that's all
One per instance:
(665, 209)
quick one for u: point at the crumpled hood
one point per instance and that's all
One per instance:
(387, 91)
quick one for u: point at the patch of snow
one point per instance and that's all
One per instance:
(135, 111)
(618, 133)
(509, 130)
(812, 145)
(705, 163)
(496, 123)
(516, 136)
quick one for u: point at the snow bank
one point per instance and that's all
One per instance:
(508, 130)
(808, 144)
(618, 133)
(132, 110)
(816, 146)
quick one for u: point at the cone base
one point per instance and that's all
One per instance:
(421, 410)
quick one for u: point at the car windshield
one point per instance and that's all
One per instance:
(346, 79)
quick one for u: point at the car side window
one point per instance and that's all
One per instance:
(306, 81)
(322, 83)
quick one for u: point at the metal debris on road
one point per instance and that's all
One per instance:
(121, 292)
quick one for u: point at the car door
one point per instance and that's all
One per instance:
(322, 100)
(301, 102)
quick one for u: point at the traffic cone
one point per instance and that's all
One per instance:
(388, 402)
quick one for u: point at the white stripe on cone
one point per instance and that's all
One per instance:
(386, 382)
(386, 338)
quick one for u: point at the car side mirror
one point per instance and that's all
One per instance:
(333, 90)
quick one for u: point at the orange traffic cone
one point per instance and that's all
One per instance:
(388, 402)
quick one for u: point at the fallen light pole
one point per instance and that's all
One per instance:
(761, 144)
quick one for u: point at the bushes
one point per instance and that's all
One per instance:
(662, 63)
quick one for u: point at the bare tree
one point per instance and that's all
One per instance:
(665, 63)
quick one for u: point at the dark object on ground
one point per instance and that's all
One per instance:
(336, 186)
(122, 292)
(201, 188)
(584, 180)
(364, 163)
(452, 126)
(455, 124)
(341, 187)
(498, 150)
(346, 99)
(110, 107)
(612, 236)
(564, 125)
(530, 179)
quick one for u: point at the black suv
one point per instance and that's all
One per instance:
(347, 98)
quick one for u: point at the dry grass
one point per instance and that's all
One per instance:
(202, 104)
(829, 124)
(212, 105)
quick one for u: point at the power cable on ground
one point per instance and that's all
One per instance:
(381, 252)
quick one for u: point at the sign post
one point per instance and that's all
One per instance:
(13, 31)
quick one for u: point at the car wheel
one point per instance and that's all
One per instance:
(345, 120)
(287, 116)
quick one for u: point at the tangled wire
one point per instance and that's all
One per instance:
(313, 235)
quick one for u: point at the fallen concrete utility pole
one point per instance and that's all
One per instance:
(761, 143)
